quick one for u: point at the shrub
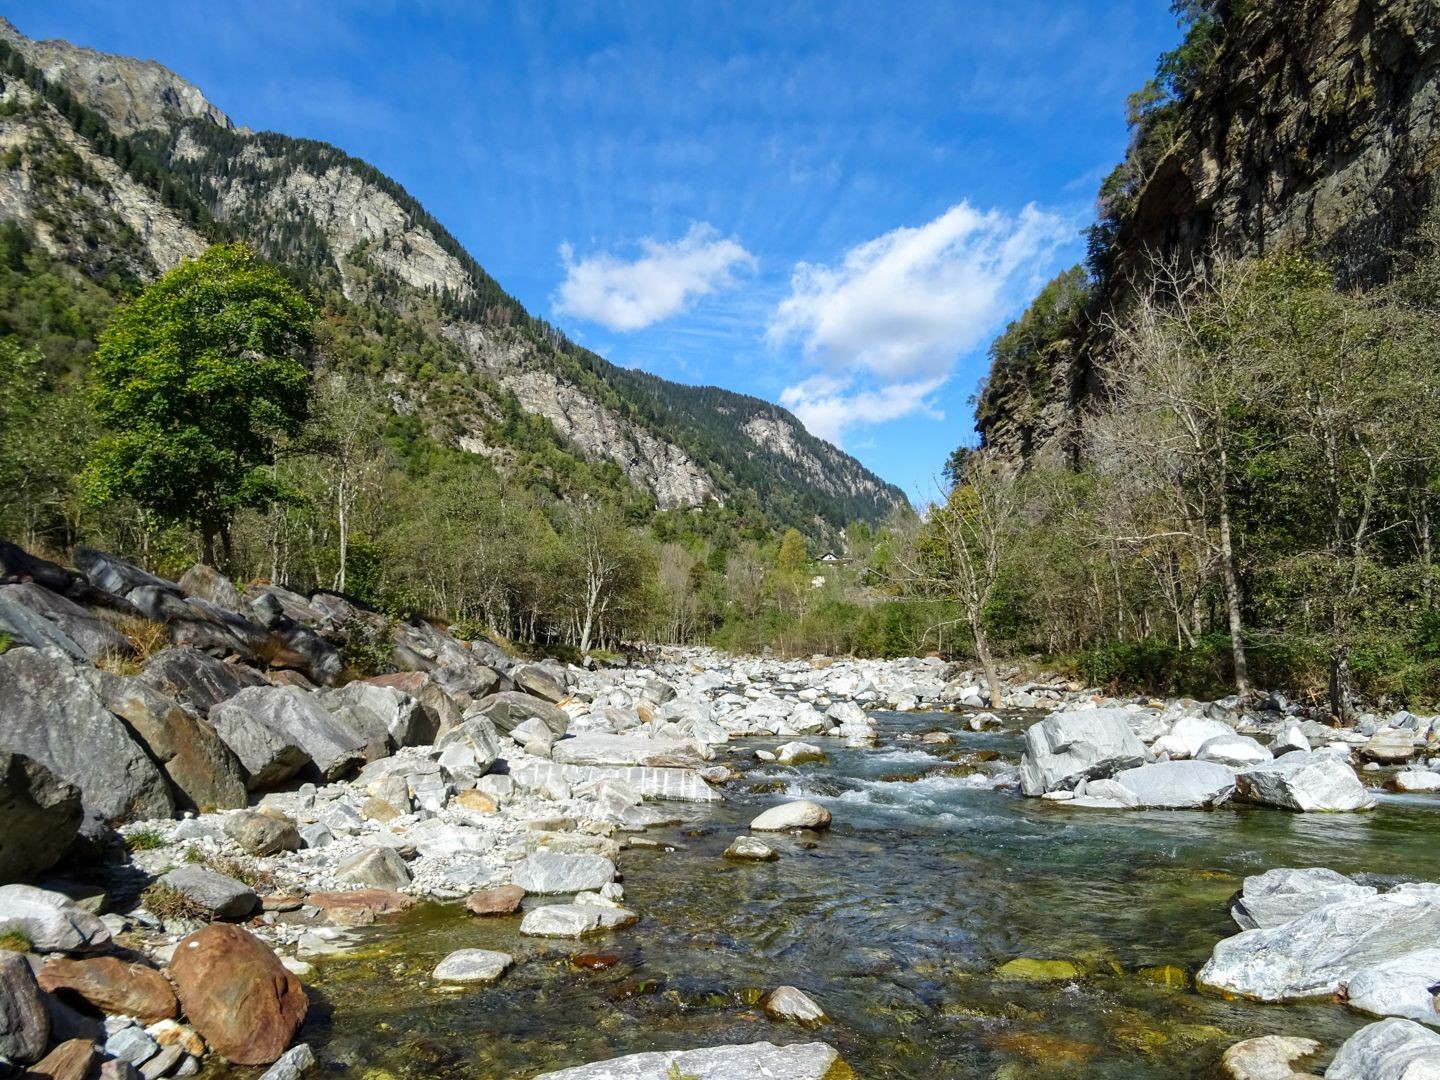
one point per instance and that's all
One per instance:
(167, 904)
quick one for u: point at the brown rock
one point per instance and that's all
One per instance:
(111, 986)
(169, 1033)
(378, 810)
(237, 994)
(477, 801)
(360, 907)
(71, 1060)
(597, 961)
(504, 900)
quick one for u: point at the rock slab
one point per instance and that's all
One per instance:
(799, 1061)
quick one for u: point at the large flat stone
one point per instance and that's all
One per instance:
(624, 750)
(548, 873)
(1068, 747)
(679, 785)
(1313, 782)
(799, 1061)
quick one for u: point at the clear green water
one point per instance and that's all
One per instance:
(895, 921)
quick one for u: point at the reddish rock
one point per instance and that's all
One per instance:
(597, 961)
(504, 900)
(73, 1060)
(112, 986)
(237, 994)
(360, 907)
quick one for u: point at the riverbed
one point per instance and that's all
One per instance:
(896, 921)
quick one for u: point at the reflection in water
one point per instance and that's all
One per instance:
(895, 921)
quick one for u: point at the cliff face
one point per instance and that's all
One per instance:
(1317, 127)
(309, 206)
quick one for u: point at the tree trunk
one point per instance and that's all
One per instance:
(207, 544)
(1427, 560)
(1340, 705)
(987, 662)
(1232, 586)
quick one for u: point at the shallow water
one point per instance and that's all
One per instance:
(895, 921)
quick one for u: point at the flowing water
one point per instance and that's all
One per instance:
(895, 921)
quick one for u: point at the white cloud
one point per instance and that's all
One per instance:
(886, 325)
(622, 295)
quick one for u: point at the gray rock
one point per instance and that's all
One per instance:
(751, 848)
(1189, 734)
(1388, 1050)
(24, 1023)
(1291, 740)
(1279, 896)
(472, 966)
(292, 1064)
(800, 814)
(1389, 746)
(479, 735)
(680, 785)
(95, 638)
(223, 897)
(510, 708)
(39, 816)
(535, 735)
(383, 716)
(274, 730)
(1402, 986)
(262, 834)
(132, 1044)
(197, 679)
(798, 753)
(50, 921)
(1068, 747)
(1175, 785)
(206, 583)
(799, 1061)
(1417, 780)
(1304, 782)
(377, 867)
(788, 1003)
(624, 750)
(1315, 955)
(435, 837)
(548, 873)
(317, 835)
(1237, 751)
(574, 920)
(537, 682)
(115, 575)
(1269, 1057)
(52, 715)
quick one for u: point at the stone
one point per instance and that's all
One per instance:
(1308, 782)
(681, 785)
(131, 1044)
(478, 735)
(49, 921)
(262, 834)
(442, 711)
(788, 1003)
(111, 986)
(574, 920)
(223, 897)
(39, 817)
(1189, 734)
(204, 773)
(237, 994)
(435, 837)
(292, 1064)
(477, 802)
(264, 725)
(24, 1022)
(537, 682)
(801, 814)
(750, 848)
(1175, 785)
(162, 1064)
(170, 1033)
(548, 873)
(798, 1061)
(1388, 1050)
(385, 717)
(72, 1060)
(798, 753)
(206, 583)
(472, 966)
(1401, 986)
(510, 708)
(625, 750)
(93, 638)
(376, 867)
(1417, 780)
(1237, 751)
(50, 714)
(1389, 746)
(198, 679)
(501, 900)
(1315, 955)
(1292, 740)
(316, 835)
(1279, 896)
(1026, 969)
(1270, 1057)
(359, 907)
(1068, 747)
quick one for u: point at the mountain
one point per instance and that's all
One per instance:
(1274, 126)
(121, 169)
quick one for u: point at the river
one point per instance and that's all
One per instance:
(895, 920)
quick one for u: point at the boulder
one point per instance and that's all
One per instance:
(377, 867)
(359, 907)
(798, 753)
(1068, 747)
(1401, 986)
(1278, 896)
(574, 920)
(511, 707)
(222, 897)
(548, 873)
(1237, 751)
(384, 717)
(479, 736)
(472, 966)
(276, 730)
(1269, 1057)
(1417, 780)
(624, 750)
(204, 773)
(203, 582)
(111, 986)
(1389, 746)
(96, 639)
(751, 848)
(535, 735)
(237, 994)
(49, 713)
(680, 785)
(24, 1023)
(197, 679)
(799, 1061)
(442, 711)
(305, 651)
(501, 900)
(801, 814)
(1189, 734)
(39, 816)
(259, 833)
(71, 1060)
(115, 575)
(1315, 955)
(788, 1003)
(537, 682)
(50, 921)
(1310, 782)
(1291, 741)
(1175, 785)
(1388, 1050)
(292, 1064)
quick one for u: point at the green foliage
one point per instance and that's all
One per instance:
(197, 379)
(5, 642)
(14, 941)
(144, 840)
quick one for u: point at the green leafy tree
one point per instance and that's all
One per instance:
(197, 379)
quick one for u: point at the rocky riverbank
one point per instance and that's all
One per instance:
(225, 779)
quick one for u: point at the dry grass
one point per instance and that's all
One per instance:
(146, 636)
(261, 881)
(14, 941)
(167, 904)
(117, 664)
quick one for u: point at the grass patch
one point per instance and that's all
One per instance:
(144, 840)
(14, 941)
(5, 642)
(146, 636)
(167, 903)
(259, 880)
(119, 664)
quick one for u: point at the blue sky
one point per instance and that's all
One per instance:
(831, 205)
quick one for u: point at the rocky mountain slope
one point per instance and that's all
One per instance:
(122, 169)
(1316, 126)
